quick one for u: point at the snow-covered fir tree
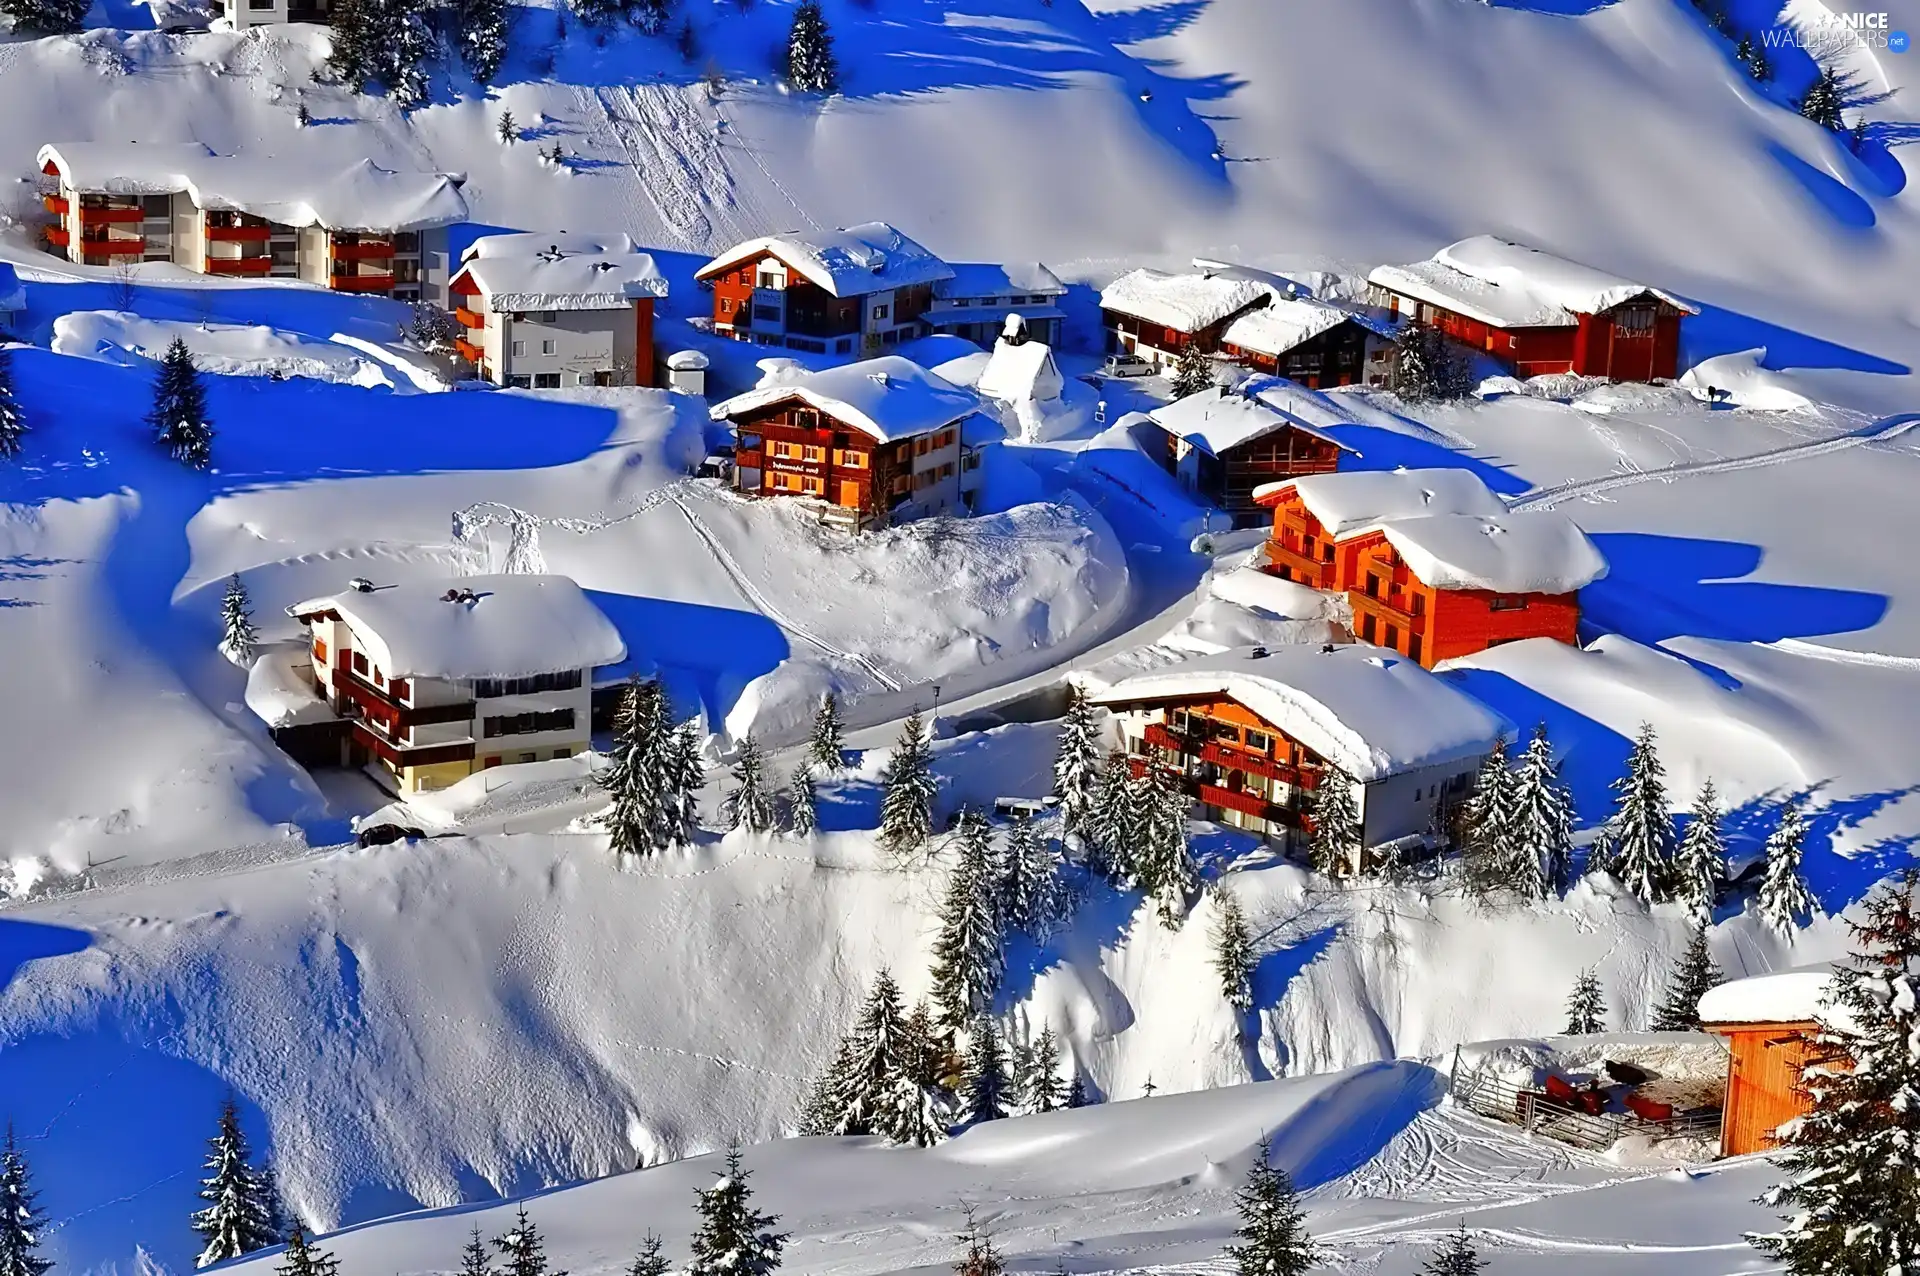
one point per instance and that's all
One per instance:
(803, 810)
(1542, 822)
(1587, 1007)
(304, 1258)
(1272, 1236)
(473, 1259)
(385, 43)
(1077, 763)
(908, 790)
(1045, 1091)
(876, 1085)
(1334, 845)
(1693, 973)
(1426, 366)
(825, 747)
(1700, 865)
(1109, 828)
(811, 67)
(969, 957)
(21, 1220)
(1852, 1192)
(1785, 902)
(1031, 889)
(1638, 839)
(652, 1260)
(238, 638)
(1078, 1096)
(13, 420)
(1751, 54)
(733, 1238)
(750, 804)
(1233, 955)
(480, 33)
(979, 1256)
(635, 773)
(1454, 1256)
(179, 414)
(522, 1249)
(987, 1089)
(1825, 99)
(1193, 370)
(685, 774)
(1490, 826)
(242, 1213)
(1163, 860)
(45, 17)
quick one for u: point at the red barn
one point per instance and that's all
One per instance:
(1537, 313)
(1769, 1023)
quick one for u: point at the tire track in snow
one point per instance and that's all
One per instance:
(674, 155)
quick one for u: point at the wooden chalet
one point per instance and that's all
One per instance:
(1768, 1023)
(1433, 564)
(1156, 315)
(1537, 313)
(1225, 443)
(1311, 343)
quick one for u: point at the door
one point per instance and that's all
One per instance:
(849, 494)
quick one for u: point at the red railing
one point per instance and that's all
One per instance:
(1255, 764)
(362, 283)
(468, 319)
(239, 265)
(56, 204)
(468, 351)
(58, 236)
(238, 234)
(1245, 803)
(368, 251)
(91, 214)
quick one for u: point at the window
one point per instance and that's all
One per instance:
(922, 445)
(1177, 719)
(518, 348)
(549, 346)
(943, 439)
(558, 754)
(767, 312)
(546, 380)
(1635, 321)
(1413, 647)
(320, 650)
(406, 241)
(529, 757)
(360, 662)
(881, 312)
(1419, 604)
(924, 479)
(1508, 602)
(528, 724)
(1373, 585)
(490, 763)
(901, 484)
(813, 486)
(519, 381)
(849, 459)
(1224, 731)
(817, 455)
(494, 688)
(1259, 741)
(400, 688)
(257, 5)
(769, 279)
(843, 346)
(549, 316)
(945, 471)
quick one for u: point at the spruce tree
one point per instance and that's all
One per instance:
(1700, 865)
(1077, 763)
(811, 67)
(1852, 1192)
(1334, 843)
(1030, 886)
(473, 1259)
(982, 1256)
(1192, 370)
(238, 638)
(636, 769)
(685, 774)
(480, 33)
(45, 17)
(1543, 822)
(1272, 1234)
(986, 1072)
(1045, 1091)
(303, 1258)
(21, 1220)
(1825, 99)
(1587, 1007)
(908, 789)
(522, 1248)
(1455, 1256)
(826, 745)
(1426, 366)
(651, 1260)
(1233, 955)
(878, 1084)
(734, 1238)
(803, 812)
(1693, 974)
(826, 1102)
(968, 954)
(179, 414)
(750, 805)
(1639, 837)
(1492, 819)
(1109, 827)
(242, 1213)
(1163, 861)
(1785, 902)
(13, 421)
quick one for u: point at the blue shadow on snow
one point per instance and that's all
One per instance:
(22, 942)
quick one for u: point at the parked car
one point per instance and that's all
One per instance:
(387, 834)
(1125, 365)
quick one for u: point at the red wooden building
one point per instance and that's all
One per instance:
(1768, 1023)
(1311, 343)
(1157, 315)
(1225, 443)
(1537, 313)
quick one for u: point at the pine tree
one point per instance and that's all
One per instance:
(1543, 822)
(750, 805)
(986, 1073)
(1192, 371)
(636, 770)
(1491, 826)
(303, 1258)
(1751, 54)
(1426, 366)
(651, 1260)
(981, 1256)
(1693, 974)
(908, 789)
(21, 1220)
(523, 1249)
(1030, 885)
(876, 1084)
(968, 956)
(1233, 955)
(1639, 837)
(1109, 827)
(811, 67)
(179, 415)
(1455, 1256)
(826, 1102)
(1852, 1163)
(1077, 1093)
(473, 1259)
(508, 129)
(1272, 1233)
(733, 1238)
(242, 1213)
(1045, 1091)
(1587, 1007)
(685, 774)
(1785, 902)
(1163, 862)
(1825, 99)
(238, 638)
(45, 17)
(1700, 865)
(803, 812)
(1076, 765)
(826, 745)
(383, 42)
(1334, 844)
(13, 421)
(480, 33)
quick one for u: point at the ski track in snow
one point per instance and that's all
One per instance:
(676, 158)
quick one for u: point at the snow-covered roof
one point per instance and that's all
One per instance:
(1186, 303)
(1219, 419)
(849, 262)
(1022, 373)
(1510, 285)
(560, 272)
(1350, 500)
(1284, 323)
(1519, 552)
(498, 627)
(281, 690)
(977, 280)
(1780, 996)
(1371, 712)
(888, 398)
(287, 190)
(13, 294)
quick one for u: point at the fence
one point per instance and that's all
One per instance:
(1495, 1097)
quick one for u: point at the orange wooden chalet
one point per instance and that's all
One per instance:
(1768, 1022)
(1537, 313)
(1225, 442)
(1432, 562)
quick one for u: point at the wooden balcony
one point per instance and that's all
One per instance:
(468, 351)
(94, 214)
(57, 236)
(366, 250)
(361, 283)
(1245, 803)
(468, 319)
(1385, 610)
(56, 204)
(1306, 570)
(1256, 764)
(238, 234)
(1160, 736)
(749, 460)
(252, 267)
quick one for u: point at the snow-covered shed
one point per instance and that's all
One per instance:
(543, 311)
(442, 678)
(1311, 342)
(870, 443)
(1768, 1023)
(1538, 313)
(1259, 730)
(1226, 443)
(1022, 371)
(1156, 315)
(975, 300)
(851, 291)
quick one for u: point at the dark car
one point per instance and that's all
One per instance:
(387, 834)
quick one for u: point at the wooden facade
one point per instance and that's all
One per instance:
(792, 449)
(1229, 480)
(1763, 1082)
(1335, 357)
(1637, 340)
(801, 315)
(1130, 334)
(1239, 769)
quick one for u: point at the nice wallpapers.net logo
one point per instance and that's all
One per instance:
(1873, 29)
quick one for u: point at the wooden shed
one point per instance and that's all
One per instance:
(1768, 1022)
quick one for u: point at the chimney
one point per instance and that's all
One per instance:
(360, 585)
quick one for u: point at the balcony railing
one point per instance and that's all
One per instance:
(58, 236)
(1245, 803)
(1308, 569)
(468, 351)
(1383, 609)
(239, 265)
(371, 250)
(362, 283)
(238, 234)
(91, 214)
(468, 319)
(1256, 764)
(56, 204)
